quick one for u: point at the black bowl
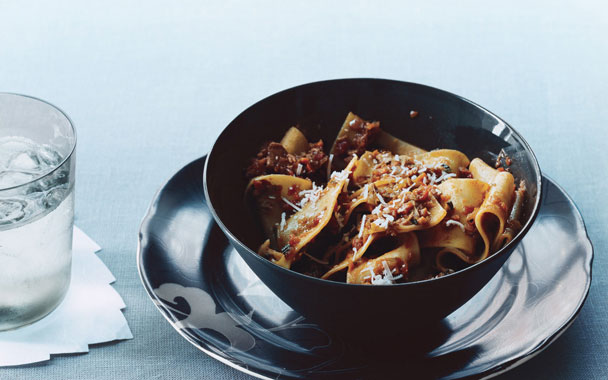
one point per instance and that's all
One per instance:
(444, 120)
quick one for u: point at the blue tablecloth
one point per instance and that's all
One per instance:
(150, 85)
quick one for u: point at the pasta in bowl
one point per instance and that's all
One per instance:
(396, 213)
(408, 244)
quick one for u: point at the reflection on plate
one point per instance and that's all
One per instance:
(212, 298)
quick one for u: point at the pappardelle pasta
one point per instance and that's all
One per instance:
(378, 210)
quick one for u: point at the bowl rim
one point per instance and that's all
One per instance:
(494, 256)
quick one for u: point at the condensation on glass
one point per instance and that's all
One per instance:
(37, 144)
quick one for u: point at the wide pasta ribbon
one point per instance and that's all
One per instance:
(270, 193)
(491, 219)
(453, 159)
(306, 223)
(465, 196)
(294, 141)
(391, 265)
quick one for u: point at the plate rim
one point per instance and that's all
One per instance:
(509, 365)
(487, 374)
(148, 288)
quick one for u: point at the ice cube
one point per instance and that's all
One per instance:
(11, 145)
(24, 162)
(49, 156)
(11, 210)
(10, 178)
(53, 197)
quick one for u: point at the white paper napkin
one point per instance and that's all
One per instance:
(90, 313)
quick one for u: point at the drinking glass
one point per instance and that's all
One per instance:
(37, 158)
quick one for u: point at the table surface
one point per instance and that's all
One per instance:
(150, 85)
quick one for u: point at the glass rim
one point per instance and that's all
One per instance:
(63, 161)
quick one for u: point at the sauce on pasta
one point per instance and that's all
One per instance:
(378, 210)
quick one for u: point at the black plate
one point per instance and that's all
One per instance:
(212, 298)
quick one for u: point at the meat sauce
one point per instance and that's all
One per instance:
(274, 159)
(360, 135)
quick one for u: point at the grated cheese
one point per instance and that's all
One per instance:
(340, 176)
(380, 198)
(362, 225)
(291, 204)
(445, 176)
(385, 278)
(388, 273)
(453, 222)
(311, 195)
(381, 222)
(299, 169)
(365, 192)
(331, 157)
(369, 238)
(282, 226)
